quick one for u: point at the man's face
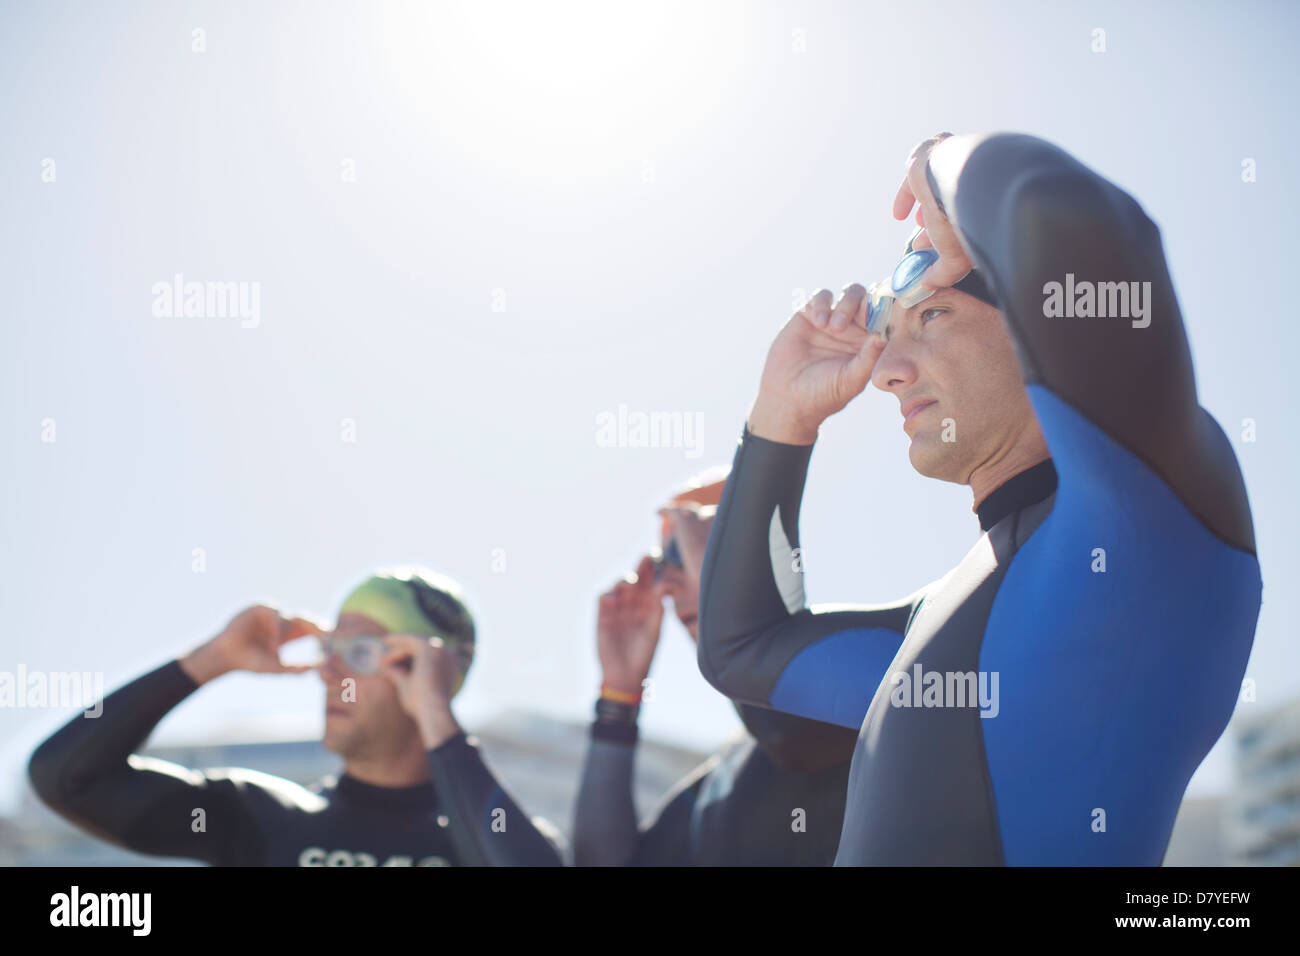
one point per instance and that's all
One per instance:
(363, 719)
(951, 363)
(684, 589)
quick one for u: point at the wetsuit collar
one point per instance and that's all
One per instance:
(419, 797)
(1020, 491)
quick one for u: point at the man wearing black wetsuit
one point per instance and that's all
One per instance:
(774, 796)
(414, 791)
(1046, 701)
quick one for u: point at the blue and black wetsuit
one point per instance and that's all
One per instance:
(87, 772)
(1113, 594)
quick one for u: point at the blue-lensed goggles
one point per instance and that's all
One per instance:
(903, 289)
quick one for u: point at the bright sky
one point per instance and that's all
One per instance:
(478, 227)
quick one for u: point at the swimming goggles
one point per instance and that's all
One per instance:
(903, 289)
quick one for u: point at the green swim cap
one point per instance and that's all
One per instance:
(416, 601)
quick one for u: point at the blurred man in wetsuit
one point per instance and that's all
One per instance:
(414, 789)
(773, 796)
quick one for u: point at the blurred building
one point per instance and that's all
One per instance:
(1198, 835)
(538, 760)
(1263, 820)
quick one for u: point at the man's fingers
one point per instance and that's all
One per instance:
(645, 572)
(847, 308)
(944, 273)
(858, 370)
(295, 668)
(904, 200)
(818, 309)
(294, 628)
(681, 515)
(673, 511)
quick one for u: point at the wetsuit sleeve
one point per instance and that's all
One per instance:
(487, 827)
(604, 820)
(1080, 275)
(758, 643)
(87, 773)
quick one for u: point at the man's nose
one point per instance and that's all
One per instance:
(330, 665)
(895, 367)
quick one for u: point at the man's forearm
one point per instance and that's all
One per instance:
(773, 419)
(85, 753)
(759, 644)
(605, 829)
(487, 827)
(203, 664)
(747, 587)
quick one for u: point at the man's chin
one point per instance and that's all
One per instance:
(335, 742)
(934, 459)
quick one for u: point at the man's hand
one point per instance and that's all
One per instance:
(628, 618)
(938, 231)
(690, 523)
(250, 642)
(425, 673)
(819, 362)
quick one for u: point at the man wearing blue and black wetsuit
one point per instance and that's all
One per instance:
(1110, 602)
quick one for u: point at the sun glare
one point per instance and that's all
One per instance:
(563, 90)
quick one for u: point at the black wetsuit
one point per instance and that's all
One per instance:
(1048, 699)
(772, 797)
(87, 772)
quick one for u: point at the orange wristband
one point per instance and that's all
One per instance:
(622, 697)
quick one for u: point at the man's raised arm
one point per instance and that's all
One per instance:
(758, 642)
(1080, 275)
